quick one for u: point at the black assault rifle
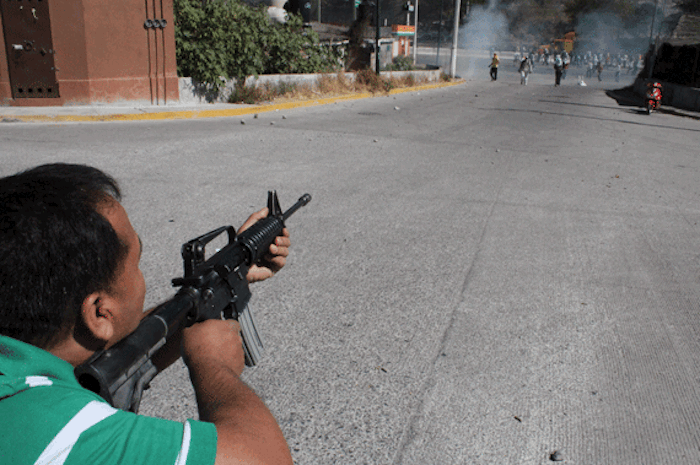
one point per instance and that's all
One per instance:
(211, 288)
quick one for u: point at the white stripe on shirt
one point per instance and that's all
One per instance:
(34, 381)
(57, 451)
(185, 449)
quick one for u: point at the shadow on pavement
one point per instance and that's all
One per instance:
(646, 122)
(674, 112)
(578, 104)
(626, 97)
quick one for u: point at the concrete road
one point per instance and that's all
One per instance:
(487, 274)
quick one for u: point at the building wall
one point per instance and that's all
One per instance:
(104, 54)
(5, 91)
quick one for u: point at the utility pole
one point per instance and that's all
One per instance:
(652, 42)
(439, 39)
(415, 34)
(376, 39)
(653, 21)
(455, 39)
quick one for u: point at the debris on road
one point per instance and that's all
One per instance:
(556, 456)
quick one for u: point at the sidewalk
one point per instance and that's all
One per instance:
(95, 113)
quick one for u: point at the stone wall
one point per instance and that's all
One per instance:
(193, 93)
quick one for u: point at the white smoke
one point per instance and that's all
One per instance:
(600, 31)
(486, 30)
(606, 33)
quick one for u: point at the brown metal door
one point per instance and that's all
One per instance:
(29, 48)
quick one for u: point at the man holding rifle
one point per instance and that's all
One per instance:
(70, 286)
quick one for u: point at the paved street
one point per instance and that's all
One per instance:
(487, 273)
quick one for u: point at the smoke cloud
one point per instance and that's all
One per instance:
(605, 33)
(486, 30)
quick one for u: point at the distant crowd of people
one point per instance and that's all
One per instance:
(619, 63)
(595, 63)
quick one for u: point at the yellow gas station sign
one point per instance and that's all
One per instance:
(403, 30)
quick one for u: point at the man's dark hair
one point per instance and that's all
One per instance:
(56, 248)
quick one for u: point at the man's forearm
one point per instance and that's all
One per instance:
(247, 431)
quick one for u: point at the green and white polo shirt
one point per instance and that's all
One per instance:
(46, 417)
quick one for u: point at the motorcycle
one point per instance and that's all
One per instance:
(652, 100)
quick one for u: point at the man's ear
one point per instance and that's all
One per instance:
(97, 316)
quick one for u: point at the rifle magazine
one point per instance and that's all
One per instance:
(252, 343)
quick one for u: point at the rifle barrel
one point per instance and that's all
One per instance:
(303, 200)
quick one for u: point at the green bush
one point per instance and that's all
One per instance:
(401, 63)
(217, 40)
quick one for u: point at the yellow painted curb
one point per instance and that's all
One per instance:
(220, 113)
(426, 87)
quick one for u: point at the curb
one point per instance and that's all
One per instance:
(220, 113)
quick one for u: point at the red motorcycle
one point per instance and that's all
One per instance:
(652, 100)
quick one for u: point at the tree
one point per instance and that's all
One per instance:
(217, 39)
(621, 8)
(689, 6)
(535, 21)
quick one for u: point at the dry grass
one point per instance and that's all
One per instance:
(328, 85)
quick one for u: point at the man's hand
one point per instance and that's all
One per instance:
(277, 256)
(274, 261)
